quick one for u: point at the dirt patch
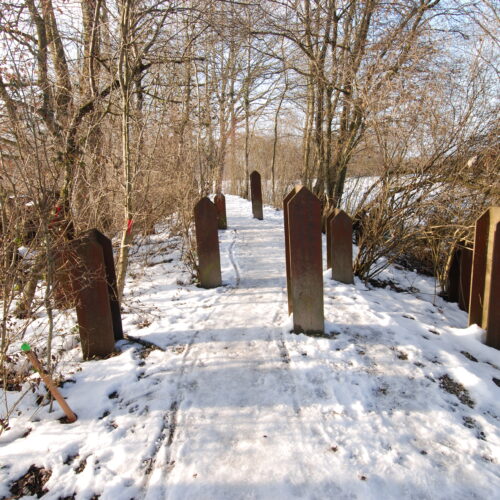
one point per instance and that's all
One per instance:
(470, 423)
(449, 385)
(382, 390)
(70, 459)
(144, 323)
(12, 380)
(399, 354)
(81, 466)
(13, 384)
(468, 355)
(31, 484)
(376, 283)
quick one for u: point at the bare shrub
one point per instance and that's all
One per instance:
(418, 220)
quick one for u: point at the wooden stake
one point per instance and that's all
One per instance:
(51, 386)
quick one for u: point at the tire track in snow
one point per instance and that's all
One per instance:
(166, 439)
(288, 378)
(277, 336)
(169, 424)
(232, 258)
(287, 375)
(167, 431)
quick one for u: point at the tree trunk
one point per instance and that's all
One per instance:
(309, 121)
(125, 87)
(275, 141)
(246, 102)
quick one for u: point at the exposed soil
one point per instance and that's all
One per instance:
(468, 355)
(376, 283)
(32, 483)
(402, 355)
(449, 385)
(81, 466)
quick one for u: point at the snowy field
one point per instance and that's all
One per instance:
(400, 400)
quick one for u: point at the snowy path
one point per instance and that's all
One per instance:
(401, 401)
(237, 409)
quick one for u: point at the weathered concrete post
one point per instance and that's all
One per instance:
(67, 265)
(93, 308)
(220, 206)
(329, 240)
(256, 190)
(304, 228)
(109, 265)
(340, 229)
(453, 277)
(207, 242)
(459, 276)
(465, 278)
(493, 321)
(286, 199)
(485, 275)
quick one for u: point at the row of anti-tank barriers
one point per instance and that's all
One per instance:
(91, 274)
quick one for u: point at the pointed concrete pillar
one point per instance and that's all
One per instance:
(207, 242)
(256, 192)
(109, 266)
(286, 199)
(484, 296)
(340, 229)
(93, 310)
(220, 206)
(304, 226)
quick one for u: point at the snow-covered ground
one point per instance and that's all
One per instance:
(400, 400)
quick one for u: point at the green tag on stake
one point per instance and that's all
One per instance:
(25, 347)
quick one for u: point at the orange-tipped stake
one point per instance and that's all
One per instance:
(48, 382)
